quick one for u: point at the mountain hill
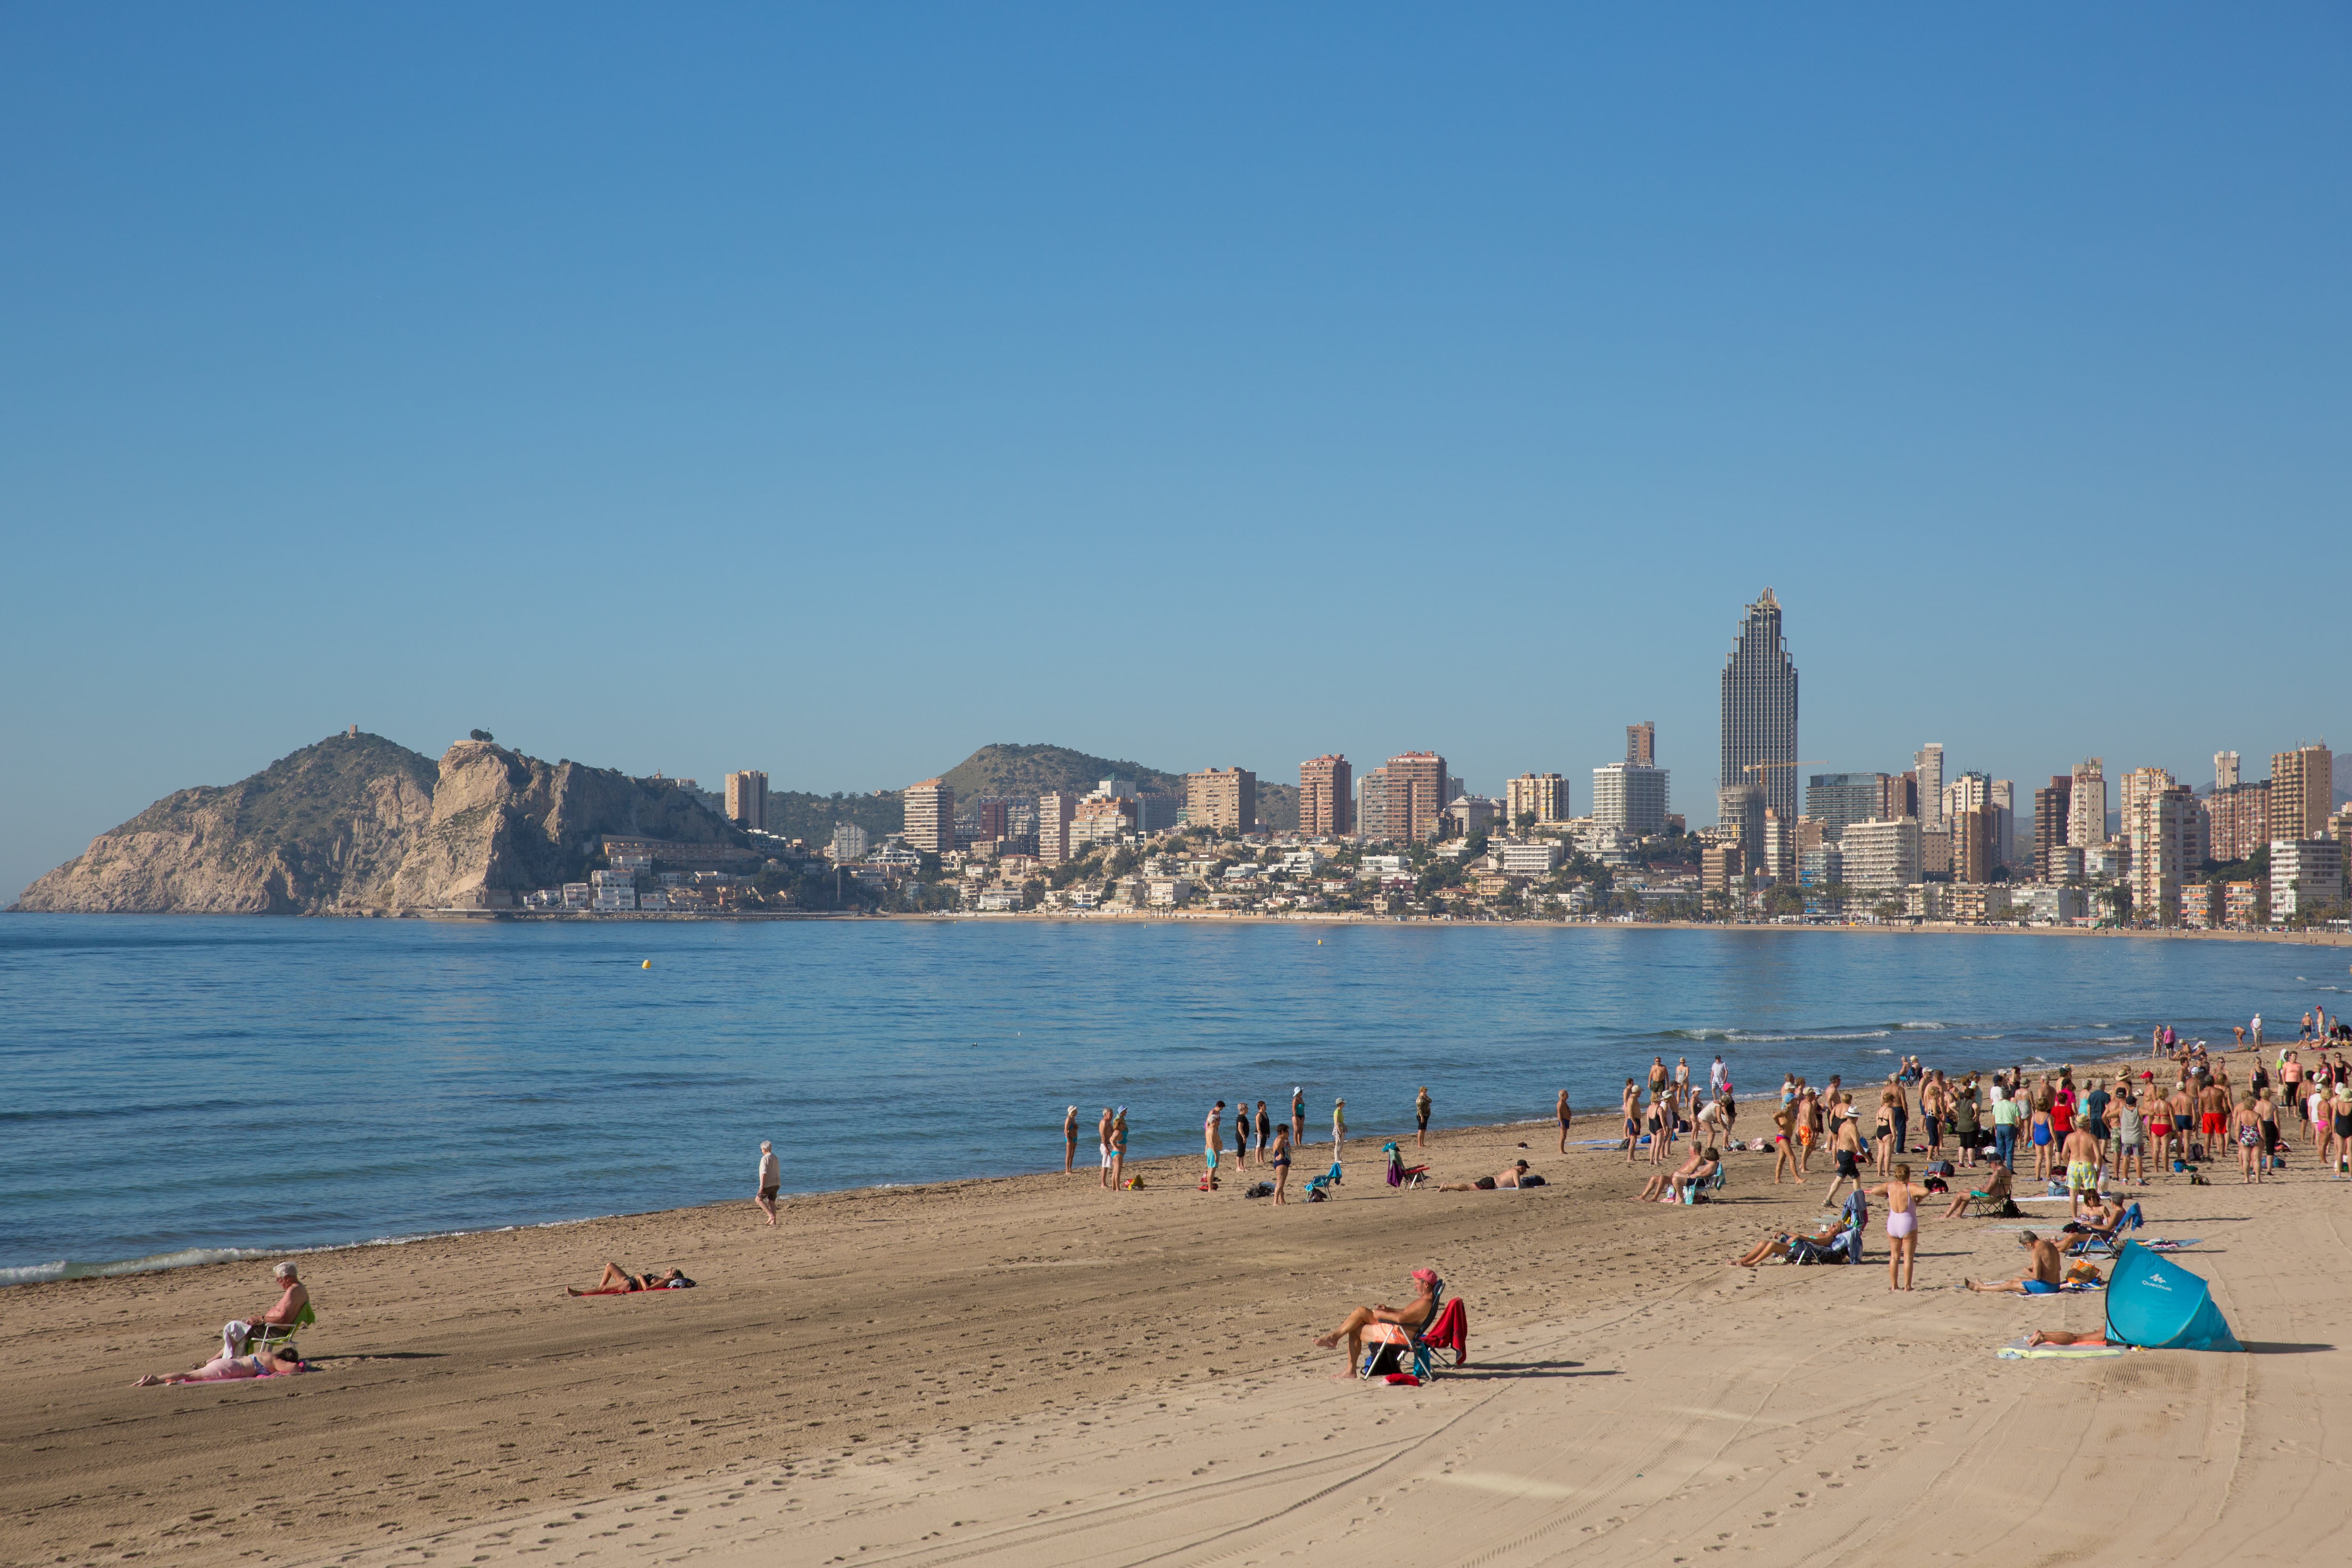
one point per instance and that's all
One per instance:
(1015, 770)
(360, 825)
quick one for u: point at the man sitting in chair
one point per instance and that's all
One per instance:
(1994, 1191)
(1695, 1171)
(276, 1323)
(1415, 1315)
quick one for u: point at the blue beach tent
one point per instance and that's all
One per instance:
(2162, 1306)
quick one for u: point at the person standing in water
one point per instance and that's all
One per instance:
(1070, 1141)
(1420, 1119)
(1566, 1116)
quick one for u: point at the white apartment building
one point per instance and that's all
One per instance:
(2048, 904)
(1542, 796)
(2161, 822)
(2306, 874)
(848, 841)
(2086, 811)
(612, 892)
(1533, 859)
(1630, 796)
(576, 895)
(1881, 855)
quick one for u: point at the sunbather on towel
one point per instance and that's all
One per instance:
(617, 1281)
(1413, 1315)
(1507, 1176)
(224, 1368)
(2041, 1281)
(2059, 1336)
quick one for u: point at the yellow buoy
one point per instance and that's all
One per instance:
(648, 964)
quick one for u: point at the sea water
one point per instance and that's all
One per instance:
(187, 1088)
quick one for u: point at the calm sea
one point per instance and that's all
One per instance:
(201, 1087)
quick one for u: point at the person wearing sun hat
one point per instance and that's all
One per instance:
(1413, 1314)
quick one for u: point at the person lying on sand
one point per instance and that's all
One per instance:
(1507, 1176)
(617, 1281)
(2060, 1336)
(2043, 1280)
(224, 1368)
(1994, 1191)
(1415, 1315)
(1693, 1171)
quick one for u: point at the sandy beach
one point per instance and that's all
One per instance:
(1032, 1371)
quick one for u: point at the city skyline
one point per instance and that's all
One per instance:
(827, 397)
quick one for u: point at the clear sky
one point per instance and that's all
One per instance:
(833, 391)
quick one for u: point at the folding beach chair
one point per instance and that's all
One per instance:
(280, 1337)
(1318, 1189)
(1400, 1173)
(1392, 1347)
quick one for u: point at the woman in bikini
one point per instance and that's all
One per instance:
(617, 1281)
(2159, 1110)
(1902, 1226)
(1281, 1163)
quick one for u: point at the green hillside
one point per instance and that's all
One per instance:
(304, 801)
(1039, 769)
(811, 817)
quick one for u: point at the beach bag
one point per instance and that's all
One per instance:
(1383, 1360)
(1940, 1168)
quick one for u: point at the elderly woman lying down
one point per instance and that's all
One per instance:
(225, 1368)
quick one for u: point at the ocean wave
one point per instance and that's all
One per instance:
(196, 1257)
(1920, 1024)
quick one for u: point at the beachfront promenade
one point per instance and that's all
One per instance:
(1031, 1371)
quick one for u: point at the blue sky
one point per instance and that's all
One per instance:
(833, 392)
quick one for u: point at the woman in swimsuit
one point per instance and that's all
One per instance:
(224, 1368)
(1281, 1163)
(1119, 1149)
(1902, 1227)
(2341, 1120)
(1882, 1134)
(2041, 1142)
(1264, 1134)
(2246, 1130)
(616, 1278)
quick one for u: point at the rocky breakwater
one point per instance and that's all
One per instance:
(360, 825)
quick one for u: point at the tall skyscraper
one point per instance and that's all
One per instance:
(1416, 795)
(1055, 812)
(747, 800)
(2086, 828)
(1631, 796)
(2225, 770)
(2051, 810)
(2303, 792)
(1327, 789)
(1759, 711)
(1373, 806)
(2137, 785)
(1928, 763)
(2004, 832)
(1220, 797)
(2160, 820)
(1642, 744)
(1542, 796)
(931, 816)
(1836, 800)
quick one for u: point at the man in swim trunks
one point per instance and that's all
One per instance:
(1213, 1136)
(1509, 1177)
(2082, 1154)
(2040, 1281)
(772, 1169)
(1413, 1314)
(1847, 1148)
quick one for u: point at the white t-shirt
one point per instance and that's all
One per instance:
(771, 1170)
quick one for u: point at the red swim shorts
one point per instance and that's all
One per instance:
(2213, 1121)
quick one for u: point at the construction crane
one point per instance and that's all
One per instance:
(1761, 767)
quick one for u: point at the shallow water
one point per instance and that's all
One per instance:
(186, 1086)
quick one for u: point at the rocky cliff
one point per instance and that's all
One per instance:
(360, 825)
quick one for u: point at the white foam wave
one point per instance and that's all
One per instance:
(1917, 1023)
(196, 1257)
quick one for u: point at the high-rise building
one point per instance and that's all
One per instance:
(2137, 784)
(2306, 875)
(1416, 797)
(2238, 821)
(2160, 822)
(1372, 805)
(2050, 809)
(1759, 712)
(1642, 744)
(1973, 827)
(1881, 855)
(992, 819)
(2303, 793)
(1740, 808)
(1928, 763)
(2225, 771)
(931, 816)
(2004, 830)
(1631, 796)
(1055, 813)
(2086, 828)
(1898, 795)
(1220, 797)
(1835, 799)
(1779, 847)
(1543, 796)
(848, 842)
(1327, 805)
(1103, 818)
(747, 800)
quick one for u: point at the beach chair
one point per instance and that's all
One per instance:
(1319, 1189)
(1392, 1347)
(1400, 1173)
(280, 1337)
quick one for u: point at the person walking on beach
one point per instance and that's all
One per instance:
(1784, 1143)
(1070, 1141)
(1281, 1163)
(1420, 1119)
(1264, 1134)
(1902, 1225)
(772, 1177)
(1565, 1116)
(1102, 1137)
(1339, 1127)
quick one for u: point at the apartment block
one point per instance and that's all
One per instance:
(1105, 819)
(1779, 847)
(1739, 808)
(848, 842)
(1537, 858)
(2306, 875)
(1928, 765)
(1881, 855)
(1631, 796)
(1975, 903)
(1834, 800)
(2200, 904)
(2086, 827)
(2051, 810)
(2238, 819)
(1412, 797)
(2064, 865)
(2161, 824)
(1326, 805)
(930, 817)
(612, 892)
(1898, 796)
(1542, 796)
(1973, 829)
(2303, 793)
(1220, 797)
(2245, 905)
(1642, 744)
(2045, 904)
(2225, 770)
(1055, 813)
(747, 800)
(1720, 870)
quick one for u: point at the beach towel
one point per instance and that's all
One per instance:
(1451, 1331)
(2018, 1350)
